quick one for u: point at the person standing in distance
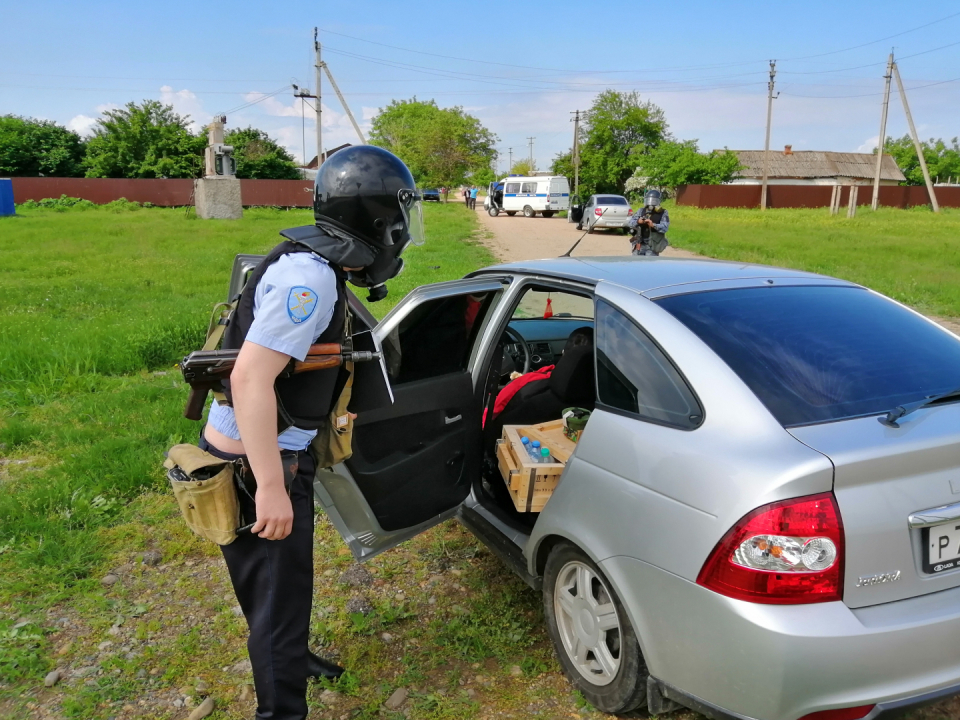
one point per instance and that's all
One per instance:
(367, 211)
(649, 226)
(473, 197)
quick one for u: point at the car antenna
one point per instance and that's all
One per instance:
(567, 253)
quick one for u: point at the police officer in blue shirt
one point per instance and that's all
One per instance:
(367, 211)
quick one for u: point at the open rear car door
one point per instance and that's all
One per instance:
(415, 460)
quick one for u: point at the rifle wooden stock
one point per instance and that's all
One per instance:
(205, 370)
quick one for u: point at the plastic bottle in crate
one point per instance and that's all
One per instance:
(533, 449)
(545, 455)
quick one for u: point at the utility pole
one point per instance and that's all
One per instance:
(531, 139)
(916, 141)
(576, 153)
(766, 144)
(317, 67)
(883, 132)
(321, 67)
(510, 163)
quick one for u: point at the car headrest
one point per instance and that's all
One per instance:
(573, 377)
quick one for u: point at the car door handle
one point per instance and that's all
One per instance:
(452, 420)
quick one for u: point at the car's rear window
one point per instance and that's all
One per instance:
(817, 354)
(611, 200)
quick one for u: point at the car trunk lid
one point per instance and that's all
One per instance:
(883, 476)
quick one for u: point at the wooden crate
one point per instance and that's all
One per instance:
(530, 484)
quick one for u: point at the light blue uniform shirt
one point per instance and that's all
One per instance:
(292, 306)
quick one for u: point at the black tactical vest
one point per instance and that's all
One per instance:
(304, 400)
(655, 216)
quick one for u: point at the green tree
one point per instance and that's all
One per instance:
(672, 164)
(943, 159)
(259, 156)
(618, 130)
(149, 140)
(523, 167)
(30, 147)
(441, 146)
(482, 177)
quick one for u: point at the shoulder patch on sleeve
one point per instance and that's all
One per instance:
(301, 303)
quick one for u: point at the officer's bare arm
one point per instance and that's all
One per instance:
(255, 406)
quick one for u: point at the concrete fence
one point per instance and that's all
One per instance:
(809, 196)
(166, 193)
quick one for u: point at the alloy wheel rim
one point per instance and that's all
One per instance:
(588, 622)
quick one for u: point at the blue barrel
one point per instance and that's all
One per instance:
(6, 197)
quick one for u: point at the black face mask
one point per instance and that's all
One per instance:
(386, 265)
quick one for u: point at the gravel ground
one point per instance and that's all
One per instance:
(519, 238)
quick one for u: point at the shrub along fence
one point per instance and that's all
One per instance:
(166, 193)
(810, 196)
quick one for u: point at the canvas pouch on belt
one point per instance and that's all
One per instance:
(204, 487)
(334, 441)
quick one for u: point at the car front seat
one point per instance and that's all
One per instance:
(572, 383)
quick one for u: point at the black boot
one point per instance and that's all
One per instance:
(317, 668)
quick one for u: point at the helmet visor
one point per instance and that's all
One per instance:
(412, 207)
(652, 198)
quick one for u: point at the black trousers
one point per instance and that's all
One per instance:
(273, 580)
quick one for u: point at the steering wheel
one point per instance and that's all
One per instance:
(518, 339)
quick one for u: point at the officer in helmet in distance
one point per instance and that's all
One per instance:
(649, 226)
(367, 211)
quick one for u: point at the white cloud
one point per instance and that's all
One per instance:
(869, 145)
(185, 102)
(82, 125)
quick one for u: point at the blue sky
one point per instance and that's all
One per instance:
(521, 67)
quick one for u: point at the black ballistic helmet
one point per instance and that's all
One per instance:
(652, 198)
(365, 194)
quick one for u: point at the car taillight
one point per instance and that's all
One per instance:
(629, 211)
(785, 553)
(851, 713)
(598, 212)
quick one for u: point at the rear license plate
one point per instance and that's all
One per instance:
(941, 548)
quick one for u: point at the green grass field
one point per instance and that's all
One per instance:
(912, 256)
(98, 306)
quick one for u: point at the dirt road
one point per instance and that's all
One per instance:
(520, 238)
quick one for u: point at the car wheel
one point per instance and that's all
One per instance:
(591, 632)
(528, 211)
(493, 212)
(590, 229)
(511, 213)
(547, 213)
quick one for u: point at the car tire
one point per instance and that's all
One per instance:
(590, 229)
(612, 673)
(547, 213)
(493, 212)
(528, 212)
(511, 213)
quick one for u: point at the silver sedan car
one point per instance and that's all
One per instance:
(762, 516)
(605, 211)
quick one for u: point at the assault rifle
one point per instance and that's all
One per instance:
(205, 370)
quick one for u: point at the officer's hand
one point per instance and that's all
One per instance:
(274, 513)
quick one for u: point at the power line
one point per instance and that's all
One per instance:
(874, 42)
(844, 97)
(688, 67)
(258, 100)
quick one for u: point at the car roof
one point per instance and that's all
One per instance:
(645, 274)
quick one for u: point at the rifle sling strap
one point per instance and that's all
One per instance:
(215, 329)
